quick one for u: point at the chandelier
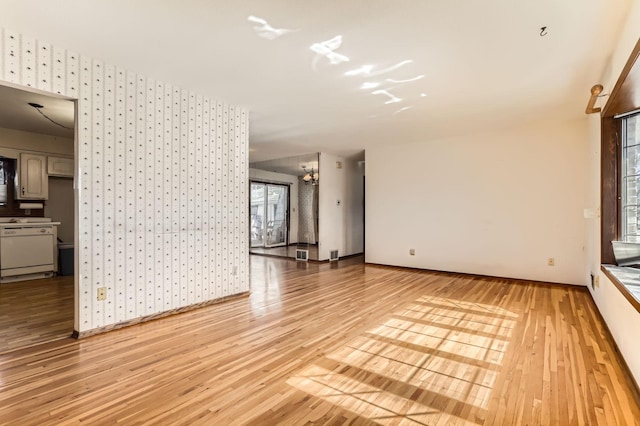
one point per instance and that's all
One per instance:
(310, 177)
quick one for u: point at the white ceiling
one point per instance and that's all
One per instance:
(16, 113)
(294, 166)
(472, 64)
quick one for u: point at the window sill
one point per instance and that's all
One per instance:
(627, 280)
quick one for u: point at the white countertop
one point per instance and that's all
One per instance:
(24, 222)
(28, 224)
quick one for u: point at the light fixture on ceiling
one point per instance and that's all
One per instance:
(39, 107)
(310, 177)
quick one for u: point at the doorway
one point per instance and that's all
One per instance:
(269, 214)
(39, 126)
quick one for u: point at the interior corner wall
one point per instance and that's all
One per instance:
(340, 206)
(161, 185)
(498, 204)
(292, 182)
(622, 319)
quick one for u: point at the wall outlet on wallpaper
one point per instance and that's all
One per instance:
(234, 271)
(551, 261)
(412, 252)
(102, 293)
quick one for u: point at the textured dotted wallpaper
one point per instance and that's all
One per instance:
(161, 179)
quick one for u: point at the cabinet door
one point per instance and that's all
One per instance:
(59, 166)
(33, 183)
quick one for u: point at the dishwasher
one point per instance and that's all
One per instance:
(26, 252)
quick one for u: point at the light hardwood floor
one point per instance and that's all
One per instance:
(34, 312)
(338, 344)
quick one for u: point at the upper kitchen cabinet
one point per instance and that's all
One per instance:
(31, 178)
(60, 166)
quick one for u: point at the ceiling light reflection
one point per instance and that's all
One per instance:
(392, 99)
(326, 49)
(365, 69)
(408, 80)
(368, 69)
(369, 85)
(402, 109)
(267, 31)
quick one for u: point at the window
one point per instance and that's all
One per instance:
(630, 179)
(620, 185)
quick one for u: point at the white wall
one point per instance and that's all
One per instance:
(292, 181)
(496, 204)
(161, 185)
(59, 206)
(340, 226)
(621, 318)
(16, 141)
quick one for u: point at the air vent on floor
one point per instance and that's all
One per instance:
(302, 255)
(333, 255)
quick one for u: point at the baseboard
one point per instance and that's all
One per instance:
(82, 334)
(436, 271)
(349, 256)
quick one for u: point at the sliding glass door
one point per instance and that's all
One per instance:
(269, 211)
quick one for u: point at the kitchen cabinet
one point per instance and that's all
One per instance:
(31, 177)
(60, 166)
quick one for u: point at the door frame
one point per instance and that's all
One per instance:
(287, 185)
(76, 193)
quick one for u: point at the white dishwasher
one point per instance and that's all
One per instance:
(26, 251)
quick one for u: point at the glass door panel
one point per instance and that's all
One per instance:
(276, 215)
(257, 214)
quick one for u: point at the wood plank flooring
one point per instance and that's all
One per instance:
(36, 311)
(337, 344)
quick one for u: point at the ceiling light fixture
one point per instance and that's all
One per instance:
(39, 107)
(310, 176)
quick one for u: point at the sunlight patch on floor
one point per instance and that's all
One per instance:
(436, 360)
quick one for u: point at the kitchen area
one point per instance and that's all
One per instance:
(37, 210)
(30, 244)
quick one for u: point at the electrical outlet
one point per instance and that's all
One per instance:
(596, 281)
(412, 252)
(234, 272)
(102, 293)
(551, 261)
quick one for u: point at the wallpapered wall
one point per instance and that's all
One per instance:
(161, 179)
(307, 212)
